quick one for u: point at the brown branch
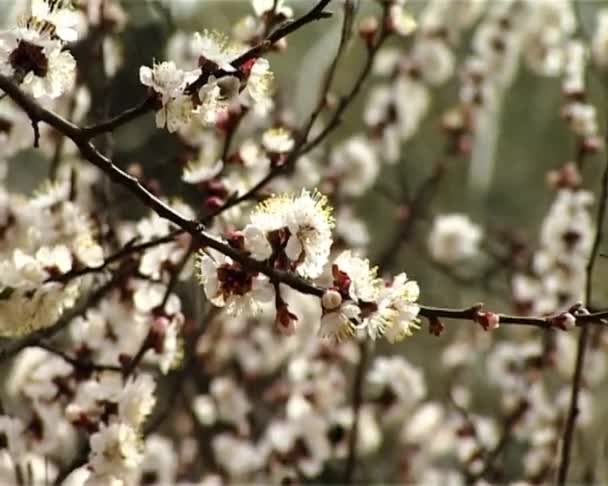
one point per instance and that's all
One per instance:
(316, 13)
(284, 30)
(176, 273)
(346, 100)
(583, 339)
(357, 398)
(132, 363)
(148, 104)
(127, 250)
(491, 456)
(14, 346)
(58, 153)
(37, 112)
(75, 362)
(302, 145)
(120, 119)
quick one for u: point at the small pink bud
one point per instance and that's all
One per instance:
(436, 327)
(236, 240)
(213, 203)
(157, 333)
(488, 320)
(285, 320)
(368, 29)
(564, 321)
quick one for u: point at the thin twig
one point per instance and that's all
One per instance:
(583, 339)
(128, 249)
(302, 145)
(75, 362)
(17, 345)
(357, 401)
(507, 429)
(119, 120)
(346, 100)
(176, 273)
(316, 13)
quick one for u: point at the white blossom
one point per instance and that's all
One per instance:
(136, 400)
(356, 165)
(36, 60)
(308, 221)
(454, 238)
(116, 450)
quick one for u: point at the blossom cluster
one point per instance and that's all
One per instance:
(225, 90)
(293, 234)
(34, 53)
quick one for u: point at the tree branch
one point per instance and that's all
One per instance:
(195, 228)
(120, 119)
(583, 339)
(127, 250)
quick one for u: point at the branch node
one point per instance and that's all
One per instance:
(36, 129)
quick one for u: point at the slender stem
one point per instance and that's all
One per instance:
(346, 100)
(302, 145)
(131, 184)
(127, 250)
(121, 119)
(583, 339)
(15, 346)
(357, 400)
(316, 13)
(507, 429)
(176, 273)
(75, 362)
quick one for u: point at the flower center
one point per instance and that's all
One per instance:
(5, 125)
(234, 279)
(29, 57)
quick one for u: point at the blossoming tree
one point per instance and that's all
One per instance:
(240, 324)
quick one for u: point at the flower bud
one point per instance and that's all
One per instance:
(436, 327)
(213, 203)
(488, 320)
(286, 320)
(368, 29)
(157, 333)
(331, 299)
(564, 321)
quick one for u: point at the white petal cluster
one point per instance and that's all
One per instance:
(356, 166)
(210, 55)
(116, 452)
(394, 377)
(558, 267)
(48, 237)
(454, 238)
(228, 284)
(277, 140)
(169, 82)
(599, 44)
(155, 260)
(263, 6)
(217, 48)
(61, 15)
(136, 400)
(33, 53)
(117, 447)
(359, 301)
(302, 223)
(580, 115)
